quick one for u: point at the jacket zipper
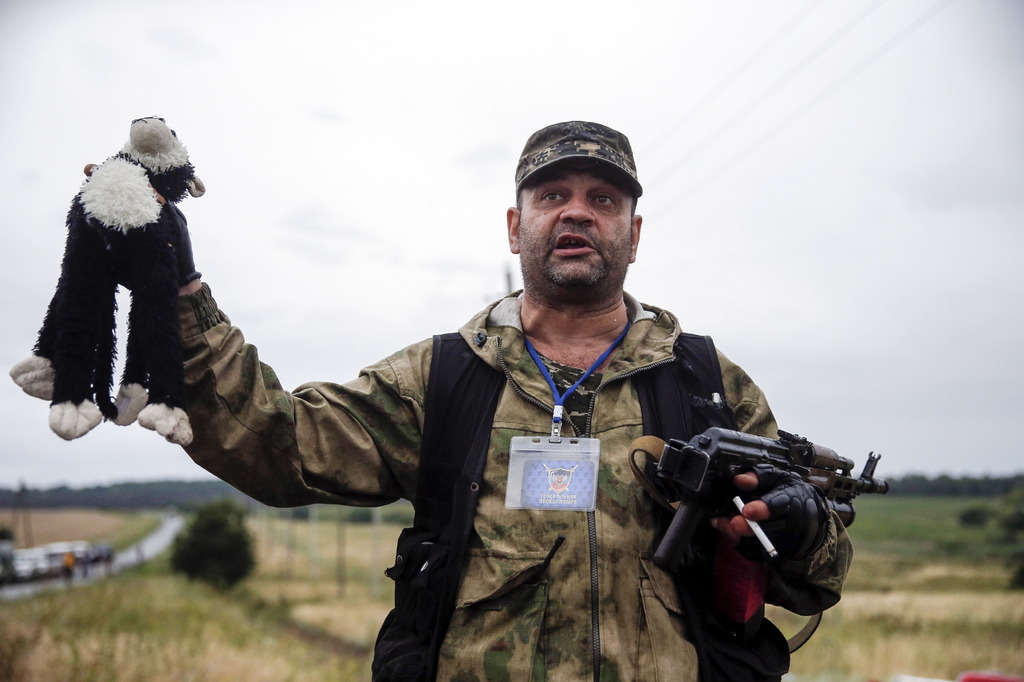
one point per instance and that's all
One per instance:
(595, 615)
(595, 623)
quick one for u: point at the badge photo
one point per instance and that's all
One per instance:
(553, 473)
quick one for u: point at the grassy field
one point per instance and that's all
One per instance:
(925, 597)
(330, 576)
(156, 628)
(148, 625)
(42, 526)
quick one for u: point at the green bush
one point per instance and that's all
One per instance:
(1017, 580)
(1012, 522)
(975, 517)
(215, 545)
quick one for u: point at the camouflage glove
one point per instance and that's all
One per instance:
(182, 243)
(798, 520)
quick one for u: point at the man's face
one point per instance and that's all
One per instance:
(575, 235)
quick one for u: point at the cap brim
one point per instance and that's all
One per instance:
(628, 180)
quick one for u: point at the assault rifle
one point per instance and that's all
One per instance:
(701, 470)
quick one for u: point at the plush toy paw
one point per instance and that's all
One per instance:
(70, 421)
(129, 402)
(35, 376)
(170, 422)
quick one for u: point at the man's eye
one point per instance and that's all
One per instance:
(605, 199)
(551, 196)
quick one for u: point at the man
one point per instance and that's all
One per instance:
(551, 586)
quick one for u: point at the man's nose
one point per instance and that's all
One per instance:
(577, 209)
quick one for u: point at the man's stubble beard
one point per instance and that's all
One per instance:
(575, 280)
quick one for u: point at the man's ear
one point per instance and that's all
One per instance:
(637, 223)
(512, 218)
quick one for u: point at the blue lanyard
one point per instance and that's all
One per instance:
(556, 417)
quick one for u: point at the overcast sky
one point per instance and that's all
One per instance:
(834, 191)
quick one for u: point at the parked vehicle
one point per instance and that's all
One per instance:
(6, 562)
(32, 564)
(53, 560)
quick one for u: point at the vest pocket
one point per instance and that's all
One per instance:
(494, 633)
(663, 652)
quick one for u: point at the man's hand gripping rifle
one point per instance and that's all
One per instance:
(700, 474)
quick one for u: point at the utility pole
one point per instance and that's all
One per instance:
(290, 541)
(314, 558)
(22, 512)
(376, 521)
(340, 550)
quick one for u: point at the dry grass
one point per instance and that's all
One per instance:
(330, 577)
(917, 611)
(927, 615)
(92, 525)
(294, 620)
(871, 635)
(879, 572)
(156, 629)
(909, 616)
(355, 620)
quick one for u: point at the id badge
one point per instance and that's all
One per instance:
(553, 473)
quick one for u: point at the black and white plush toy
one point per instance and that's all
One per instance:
(123, 229)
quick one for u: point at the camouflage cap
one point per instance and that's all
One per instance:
(578, 140)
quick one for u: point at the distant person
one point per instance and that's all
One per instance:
(565, 592)
(68, 566)
(106, 558)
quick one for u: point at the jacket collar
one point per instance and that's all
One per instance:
(648, 342)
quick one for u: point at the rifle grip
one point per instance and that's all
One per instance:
(678, 535)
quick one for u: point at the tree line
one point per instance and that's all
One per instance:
(949, 486)
(188, 494)
(140, 495)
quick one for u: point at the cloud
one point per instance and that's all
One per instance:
(860, 262)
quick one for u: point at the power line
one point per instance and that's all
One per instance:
(731, 78)
(769, 91)
(821, 96)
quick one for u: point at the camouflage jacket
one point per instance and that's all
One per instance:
(601, 606)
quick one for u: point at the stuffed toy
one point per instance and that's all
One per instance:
(123, 229)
